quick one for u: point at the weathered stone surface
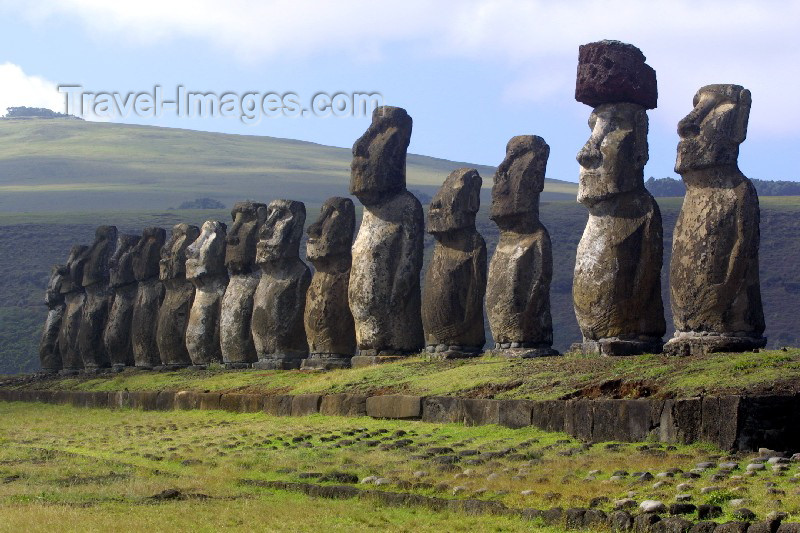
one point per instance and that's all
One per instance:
(384, 290)
(521, 269)
(714, 282)
(455, 283)
(49, 355)
(548, 415)
(173, 315)
(394, 406)
(74, 297)
(611, 72)
(278, 405)
(306, 404)
(205, 268)
(515, 413)
(236, 341)
(328, 321)
(617, 283)
(117, 333)
(280, 299)
(343, 405)
(149, 295)
(99, 297)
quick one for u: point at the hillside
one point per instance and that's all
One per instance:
(66, 165)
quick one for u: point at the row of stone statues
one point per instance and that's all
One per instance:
(243, 297)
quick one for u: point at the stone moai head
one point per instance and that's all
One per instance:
(280, 235)
(206, 255)
(98, 255)
(612, 160)
(53, 294)
(519, 180)
(241, 240)
(120, 265)
(378, 170)
(173, 254)
(73, 277)
(332, 234)
(712, 132)
(147, 253)
(614, 79)
(456, 203)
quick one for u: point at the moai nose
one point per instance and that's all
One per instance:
(688, 126)
(589, 156)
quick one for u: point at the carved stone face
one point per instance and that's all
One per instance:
(612, 160)
(74, 275)
(173, 254)
(456, 202)
(53, 295)
(378, 170)
(147, 253)
(206, 255)
(95, 269)
(120, 265)
(240, 250)
(280, 235)
(519, 178)
(712, 132)
(332, 233)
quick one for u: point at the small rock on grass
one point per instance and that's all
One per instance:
(652, 506)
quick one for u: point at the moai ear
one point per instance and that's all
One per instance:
(642, 149)
(261, 215)
(474, 203)
(739, 133)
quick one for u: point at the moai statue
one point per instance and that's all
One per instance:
(205, 268)
(74, 297)
(49, 355)
(455, 283)
(236, 340)
(714, 283)
(280, 299)
(617, 284)
(384, 290)
(149, 295)
(521, 269)
(329, 324)
(117, 335)
(173, 315)
(99, 297)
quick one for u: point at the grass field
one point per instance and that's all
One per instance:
(88, 469)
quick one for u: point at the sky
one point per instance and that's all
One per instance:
(471, 73)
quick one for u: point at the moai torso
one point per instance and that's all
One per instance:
(99, 297)
(279, 301)
(714, 279)
(617, 282)
(455, 283)
(173, 315)
(49, 354)
(384, 290)
(117, 334)
(329, 325)
(74, 297)
(205, 268)
(149, 295)
(521, 269)
(236, 340)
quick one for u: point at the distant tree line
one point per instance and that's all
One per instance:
(675, 187)
(35, 112)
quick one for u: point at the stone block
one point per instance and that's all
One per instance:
(209, 400)
(344, 405)
(144, 400)
(515, 413)
(394, 406)
(549, 415)
(306, 404)
(165, 401)
(185, 400)
(480, 412)
(278, 405)
(442, 409)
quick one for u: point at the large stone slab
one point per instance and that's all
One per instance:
(394, 406)
(306, 404)
(344, 405)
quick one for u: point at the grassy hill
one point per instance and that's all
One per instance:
(66, 165)
(59, 179)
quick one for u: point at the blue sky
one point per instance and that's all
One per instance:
(471, 73)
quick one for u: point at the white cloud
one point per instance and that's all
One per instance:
(532, 43)
(20, 89)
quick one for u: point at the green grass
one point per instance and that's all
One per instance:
(487, 377)
(83, 469)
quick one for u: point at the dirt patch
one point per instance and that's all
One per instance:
(616, 389)
(488, 391)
